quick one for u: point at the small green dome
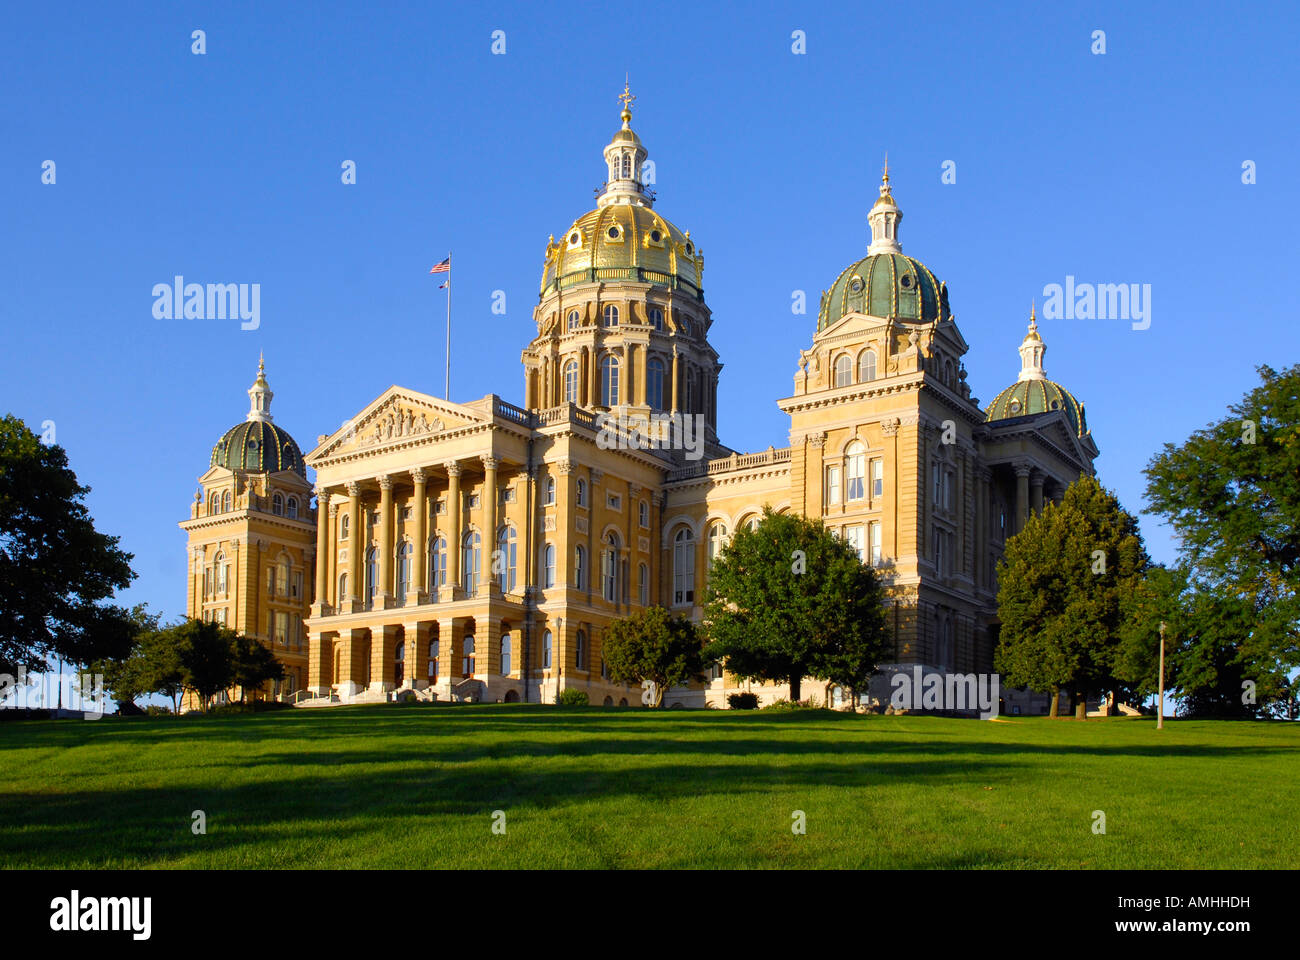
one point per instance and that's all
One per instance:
(887, 285)
(258, 446)
(1027, 397)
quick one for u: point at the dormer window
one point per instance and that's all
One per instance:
(611, 315)
(657, 318)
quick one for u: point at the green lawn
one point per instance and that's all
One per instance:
(416, 786)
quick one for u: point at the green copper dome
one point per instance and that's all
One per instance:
(260, 447)
(1028, 397)
(257, 444)
(887, 285)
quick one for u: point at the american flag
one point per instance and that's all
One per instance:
(443, 267)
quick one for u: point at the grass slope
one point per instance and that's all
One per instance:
(416, 787)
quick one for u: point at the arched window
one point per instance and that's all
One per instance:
(225, 502)
(627, 166)
(293, 508)
(404, 569)
(399, 663)
(548, 497)
(611, 315)
(343, 587)
(432, 670)
(282, 578)
(505, 653)
(609, 572)
(214, 503)
(574, 319)
(582, 492)
(843, 370)
(684, 567)
(867, 366)
(580, 653)
(571, 382)
(344, 526)
(580, 568)
(372, 576)
(654, 384)
(657, 318)
(856, 486)
(277, 505)
(609, 382)
(947, 373)
(505, 559)
(471, 558)
(643, 585)
(548, 565)
(437, 565)
(546, 649)
(717, 541)
(467, 657)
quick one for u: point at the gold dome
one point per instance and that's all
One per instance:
(623, 241)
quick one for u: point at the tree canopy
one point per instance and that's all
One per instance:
(1062, 583)
(56, 569)
(789, 599)
(652, 645)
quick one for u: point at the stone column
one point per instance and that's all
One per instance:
(331, 558)
(1022, 494)
(353, 666)
(593, 377)
(450, 589)
(642, 371)
(1036, 491)
(384, 568)
(383, 655)
(676, 397)
(420, 509)
(561, 537)
(322, 546)
(320, 662)
(489, 507)
(355, 549)
(417, 654)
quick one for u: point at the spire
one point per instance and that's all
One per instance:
(1032, 350)
(884, 219)
(624, 157)
(259, 395)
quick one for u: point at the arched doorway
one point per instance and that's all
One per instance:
(512, 696)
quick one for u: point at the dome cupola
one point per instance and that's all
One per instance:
(1033, 392)
(885, 283)
(257, 445)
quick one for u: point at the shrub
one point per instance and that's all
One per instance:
(785, 706)
(572, 698)
(742, 701)
(153, 710)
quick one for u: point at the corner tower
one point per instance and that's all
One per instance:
(622, 324)
(251, 538)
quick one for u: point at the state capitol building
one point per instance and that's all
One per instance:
(480, 550)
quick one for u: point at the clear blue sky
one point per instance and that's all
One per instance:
(1121, 168)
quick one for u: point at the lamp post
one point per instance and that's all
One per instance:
(1160, 704)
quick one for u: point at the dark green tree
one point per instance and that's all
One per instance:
(253, 664)
(207, 658)
(1062, 582)
(56, 569)
(1231, 493)
(789, 599)
(652, 645)
(156, 665)
(125, 629)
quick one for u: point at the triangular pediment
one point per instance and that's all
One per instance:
(397, 415)
(850, 325)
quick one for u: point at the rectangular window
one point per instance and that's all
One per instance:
(853, 535)
(614, 501)
(856, 477)
(440, 507)
(270, 581)
(832, 485)
(873, 542)
(473, 501)
(508, 495)
(296, 592)
(877, 478)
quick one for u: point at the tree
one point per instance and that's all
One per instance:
(55, 567)
(789, 599)
(118, 650)
(1231, 492)
(206, 654)
(1062, 581)
(651, 645)
(253, 664)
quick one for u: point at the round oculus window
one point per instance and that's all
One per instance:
(613, 233)
(574, 237)
(856, 285)
(905, 281)
(656, 236)
(1014, 406)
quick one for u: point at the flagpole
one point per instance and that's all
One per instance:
(446, 387)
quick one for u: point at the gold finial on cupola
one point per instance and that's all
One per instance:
(628, 99)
